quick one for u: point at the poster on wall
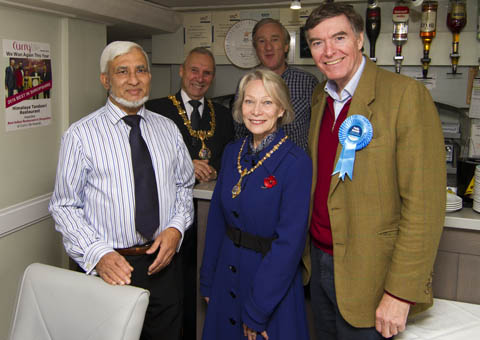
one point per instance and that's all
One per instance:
(223, 21)
(28, 81)
(198, 31)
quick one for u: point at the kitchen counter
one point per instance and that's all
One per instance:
(466, 218)
(204, 191)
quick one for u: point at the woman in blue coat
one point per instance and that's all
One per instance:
(257, 223)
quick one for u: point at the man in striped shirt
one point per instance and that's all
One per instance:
(94, 201)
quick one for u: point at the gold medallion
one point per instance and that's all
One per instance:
(204, 152)
(237, 188)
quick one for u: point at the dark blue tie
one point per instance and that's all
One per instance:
(146, 195)
(195, 118)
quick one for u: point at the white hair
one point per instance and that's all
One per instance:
(117, 48)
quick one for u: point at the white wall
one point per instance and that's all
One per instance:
(160, 85)
(28, 158)
(86, 42)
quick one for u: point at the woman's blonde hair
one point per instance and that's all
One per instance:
(274, 86)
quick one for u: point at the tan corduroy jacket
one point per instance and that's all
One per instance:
(387, 221)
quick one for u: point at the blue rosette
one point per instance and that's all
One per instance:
(354, 134)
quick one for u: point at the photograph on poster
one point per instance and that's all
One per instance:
(25, 74)
(28, 82)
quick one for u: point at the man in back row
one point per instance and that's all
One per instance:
(378, 205)
(206, 128)
(272, 44)
(193, 113)
(123, 192)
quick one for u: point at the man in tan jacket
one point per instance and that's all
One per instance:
(378, 194)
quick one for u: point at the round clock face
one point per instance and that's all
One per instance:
(238, 44)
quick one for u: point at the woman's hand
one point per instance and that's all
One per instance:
(252, 334)
(207, 299)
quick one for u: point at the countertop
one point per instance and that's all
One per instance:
(466, 218)
(204, 191)
(446, 320)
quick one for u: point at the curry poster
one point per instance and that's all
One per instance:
(28, 81)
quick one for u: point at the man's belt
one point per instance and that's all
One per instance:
(250, 241)
(136, 250)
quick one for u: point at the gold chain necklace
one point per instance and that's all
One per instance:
(204, 152)
(237, 188)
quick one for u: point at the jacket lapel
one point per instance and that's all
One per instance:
(205, 121)
(178, 95)
(274, 161)
(318, 106)
(364, 95)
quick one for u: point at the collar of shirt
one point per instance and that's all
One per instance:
(115, 114)
(347, 92)
(286, 72)
(189, 107)
(283, 75)
(263, 144)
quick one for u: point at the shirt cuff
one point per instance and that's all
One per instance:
(93, 254)
(178, 223)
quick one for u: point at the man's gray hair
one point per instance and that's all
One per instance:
(204, 51)
(264, 21)
(117, 48)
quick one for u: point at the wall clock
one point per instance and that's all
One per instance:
(238, 44)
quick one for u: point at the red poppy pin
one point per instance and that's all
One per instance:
(269, 182)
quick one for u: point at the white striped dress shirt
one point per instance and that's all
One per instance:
(93, 203)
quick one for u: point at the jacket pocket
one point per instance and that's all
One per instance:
(388, 233)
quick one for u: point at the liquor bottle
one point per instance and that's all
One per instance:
(428, 29)
(456, 21)
(372, 25)
(400, 18)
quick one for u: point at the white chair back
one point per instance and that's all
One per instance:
(60, 304)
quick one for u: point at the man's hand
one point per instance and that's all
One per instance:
(114, 269)
(167, 243)
(391, 316)
(203, 171)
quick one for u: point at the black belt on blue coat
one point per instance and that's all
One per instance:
(244, 239)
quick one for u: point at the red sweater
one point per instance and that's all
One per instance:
(320, 229)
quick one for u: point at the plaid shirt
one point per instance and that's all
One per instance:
(301, 85)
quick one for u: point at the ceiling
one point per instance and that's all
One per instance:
(140, 19)
(125, 31)
(186, 5)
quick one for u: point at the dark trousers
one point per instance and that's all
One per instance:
(163, 319)
(329, 323)
(188, 254)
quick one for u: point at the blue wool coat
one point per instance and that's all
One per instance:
(265, 293)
